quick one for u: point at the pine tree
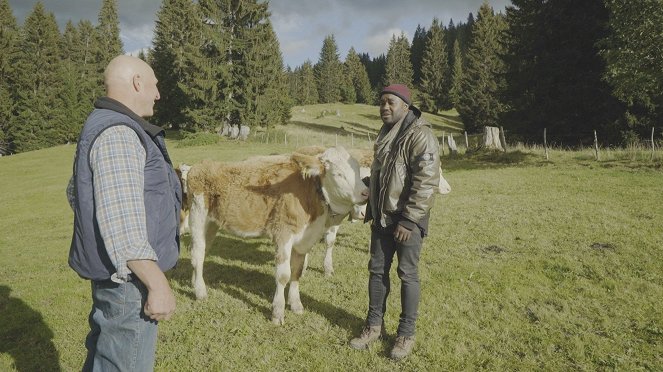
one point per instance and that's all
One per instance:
(178, 28)
(142, 55)
(108, 44)
(417, 53)
(456, 74)
(451, 36)
(328, 72)
(348, 93)
(555, 74)
(206, 72)
(464, 34)
(375, 68)
(480, 102)
(74, 101)
(40, 119)
(434, 71)
(108, 32)
(359, 77)
(9, 39)
(250, 67)
(87, 65)
(399, 68)
(632, 51)
(304, 90)
(264, 90)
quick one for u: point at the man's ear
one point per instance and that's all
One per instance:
(137, 82)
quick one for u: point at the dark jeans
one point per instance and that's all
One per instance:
(383, 247)
(121, 337)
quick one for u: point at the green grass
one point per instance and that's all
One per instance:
(531, 264)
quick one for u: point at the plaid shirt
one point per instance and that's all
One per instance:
(117, 159)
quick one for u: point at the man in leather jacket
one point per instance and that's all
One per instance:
(404, 175)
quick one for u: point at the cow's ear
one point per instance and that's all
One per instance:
(309, 166)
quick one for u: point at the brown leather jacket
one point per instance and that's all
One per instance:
(408, 178)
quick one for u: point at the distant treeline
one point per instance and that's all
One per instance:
(570, 67)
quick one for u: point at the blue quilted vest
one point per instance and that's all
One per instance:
(162, 193)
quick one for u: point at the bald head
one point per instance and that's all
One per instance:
(131, 81)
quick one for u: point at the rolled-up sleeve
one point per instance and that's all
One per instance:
(117, 159)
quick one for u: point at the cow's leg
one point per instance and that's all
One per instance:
(198, 226)
(330, 239)
(305, 264)
(296, 266)
(184, 222)
(282, 278)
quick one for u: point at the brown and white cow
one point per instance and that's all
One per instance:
(290, 199)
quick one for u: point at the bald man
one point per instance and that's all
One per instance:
(126, 200)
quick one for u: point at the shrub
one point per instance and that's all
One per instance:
(198, 139)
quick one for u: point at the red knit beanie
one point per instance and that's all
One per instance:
(399, 90)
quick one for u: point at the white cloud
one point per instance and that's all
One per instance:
(377, 44)
(285, 23)
(296, 46)
(134, 38)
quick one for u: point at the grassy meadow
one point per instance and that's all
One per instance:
(531, 264)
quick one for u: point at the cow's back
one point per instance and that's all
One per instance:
(262, 196)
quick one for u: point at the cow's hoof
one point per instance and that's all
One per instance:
(201, 294)
(297, 308)
(278, 315)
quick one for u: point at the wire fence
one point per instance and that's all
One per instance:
(454, 143)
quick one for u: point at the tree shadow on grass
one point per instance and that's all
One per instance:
(448, 129)
(452, 118)
(25, 336)
(245, 250)
(238, 282)
(375, 117)
(327, 129)
(361, 129)
(233, 248)
(485, 159)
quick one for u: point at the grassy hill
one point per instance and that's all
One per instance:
(530, 264)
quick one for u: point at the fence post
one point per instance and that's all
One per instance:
(336, 140)
(352, 139)
(467, 144)
(653, 147)
(285, 139)
(503, 138)
(442, 144)
(596, 145)
(545, 142)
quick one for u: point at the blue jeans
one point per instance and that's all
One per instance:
(383, 248)
(121, 337)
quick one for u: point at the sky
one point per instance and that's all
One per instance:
(300, 25)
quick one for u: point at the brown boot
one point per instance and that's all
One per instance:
(403, 347)
(368, 335)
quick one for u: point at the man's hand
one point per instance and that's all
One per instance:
(401, 233)
(160, 304)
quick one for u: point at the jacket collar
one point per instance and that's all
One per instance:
(114, 105)
(408, 122)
